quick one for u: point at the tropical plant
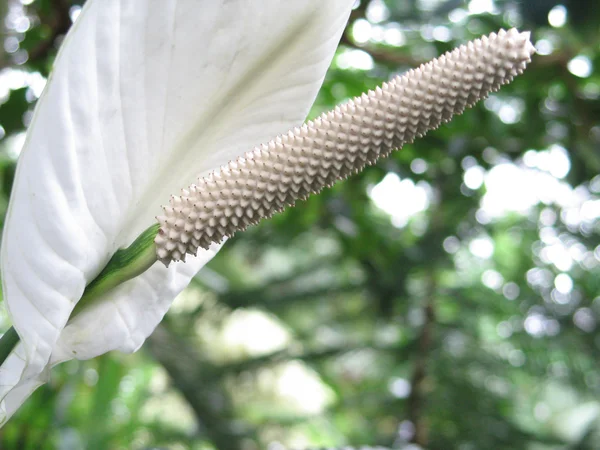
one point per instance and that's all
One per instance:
(407, 324)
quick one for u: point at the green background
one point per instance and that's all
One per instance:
(447, 298)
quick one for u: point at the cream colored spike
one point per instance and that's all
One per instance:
(337, 144)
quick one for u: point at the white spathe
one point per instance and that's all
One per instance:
(145, 96)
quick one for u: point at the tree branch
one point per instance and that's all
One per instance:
(416, 399)
(308, 357)
(388, 57)
(381, 55)
(244, 299)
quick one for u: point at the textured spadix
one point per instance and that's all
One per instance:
(337, 144)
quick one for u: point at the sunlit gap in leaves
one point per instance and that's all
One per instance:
(557, 16)
(401, 199)
(523, 187)
(12, 80)
(580, 66)
(354, 59)
(251, 333)
(16, 23)
(519, 188)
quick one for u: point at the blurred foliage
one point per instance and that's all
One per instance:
(447, 298)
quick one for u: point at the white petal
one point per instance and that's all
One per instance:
(145, 95)
(14, 390)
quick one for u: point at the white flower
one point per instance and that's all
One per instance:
(145, 95)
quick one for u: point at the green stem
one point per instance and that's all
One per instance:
(125, 264)
(7, 343)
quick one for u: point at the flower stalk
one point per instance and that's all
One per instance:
(126, 263)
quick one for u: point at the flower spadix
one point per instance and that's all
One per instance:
(144, 96)
(339, 143)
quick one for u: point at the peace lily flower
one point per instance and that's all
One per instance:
(139, 104)
(145, 96)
